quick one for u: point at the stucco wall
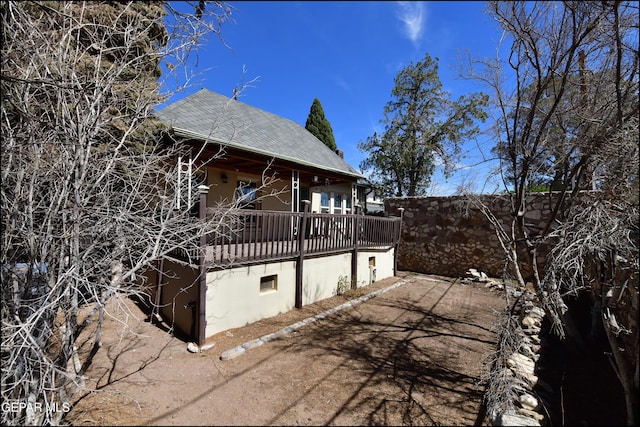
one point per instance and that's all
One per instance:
(275, 197)
(447, 235)
(234, 298)
(222, 193)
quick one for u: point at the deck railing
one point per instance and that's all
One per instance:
(247, 236)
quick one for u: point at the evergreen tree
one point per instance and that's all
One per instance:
(421, 123)
(319, 126)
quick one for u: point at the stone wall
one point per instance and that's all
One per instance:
(448, 235)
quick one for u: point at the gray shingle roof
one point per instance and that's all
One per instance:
(207, 115)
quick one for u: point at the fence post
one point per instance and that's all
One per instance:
(302, 231)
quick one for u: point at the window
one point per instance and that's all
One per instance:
(337, 203)
(269, 283)
(324, 203)
(246, 194)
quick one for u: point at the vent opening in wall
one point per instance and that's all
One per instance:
(269, 283)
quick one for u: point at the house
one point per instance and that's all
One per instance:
(297, 235)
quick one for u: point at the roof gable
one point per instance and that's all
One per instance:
(207, 115)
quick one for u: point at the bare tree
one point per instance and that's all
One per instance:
(566, 98)
(89, 196)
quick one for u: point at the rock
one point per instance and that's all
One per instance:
(268, 337)
(282, 332)
(522, 358)
(477, 276)
(528, 401)
(297, 325)
(527, 351)
(232, 353)
(530, 378)
(530, 413)
(522, 371)
(521, 363)
(253, 344)
(535, 348)
(516, 420)
(531, 330)
(344, 305)
(531, 321)
(207, 346)
(537, 311)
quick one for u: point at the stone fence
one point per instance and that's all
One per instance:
(449, 235)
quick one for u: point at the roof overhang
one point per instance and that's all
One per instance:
(229, 156)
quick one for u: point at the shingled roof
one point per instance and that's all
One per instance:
(209, 116)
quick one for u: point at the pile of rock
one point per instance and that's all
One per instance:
(523, 364)
(474, 275)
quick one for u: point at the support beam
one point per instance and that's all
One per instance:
(295, 190)
(300, 262)
(202, 294)
(354, 253)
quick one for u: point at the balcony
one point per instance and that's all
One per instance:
(246, 237)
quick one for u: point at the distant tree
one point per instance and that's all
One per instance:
(319, 126)
(422, 125)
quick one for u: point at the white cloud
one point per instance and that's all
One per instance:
(412, 15)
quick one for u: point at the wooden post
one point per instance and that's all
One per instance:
(355, 235)
(202, 294)
(301, 234)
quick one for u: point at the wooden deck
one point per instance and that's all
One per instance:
(249, 237)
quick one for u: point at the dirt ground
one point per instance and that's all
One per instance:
(408, 356)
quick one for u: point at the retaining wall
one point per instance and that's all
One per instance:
(448, 235)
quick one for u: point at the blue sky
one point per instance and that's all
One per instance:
(347, 55)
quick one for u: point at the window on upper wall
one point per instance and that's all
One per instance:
(247, 194)
(337, 203)
(324, 202)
